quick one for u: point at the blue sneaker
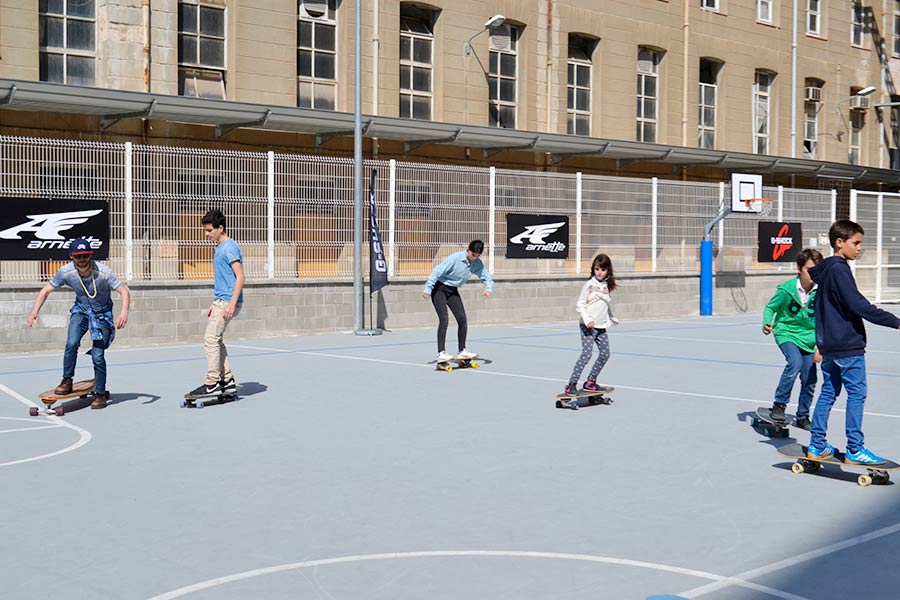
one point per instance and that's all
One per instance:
(864, 456)
(826, 452)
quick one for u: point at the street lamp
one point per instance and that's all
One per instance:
(495, 21)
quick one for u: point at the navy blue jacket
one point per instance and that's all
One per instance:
(840, 310)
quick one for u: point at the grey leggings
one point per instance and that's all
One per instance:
(590, 336)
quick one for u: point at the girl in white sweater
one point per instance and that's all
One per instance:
(596, 317)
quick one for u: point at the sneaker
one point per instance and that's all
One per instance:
(464, 354)
(64, 387)
(207, 390)
(100, 399)
(826, 452)
(571, 388)
(444, 356)
(803, 423)
(228, 387)
(778, 412)
(590, 386)
(863, 456)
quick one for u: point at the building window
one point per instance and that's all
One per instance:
(859, 24)
(578, 107)
(416, 62)
(811, 106)
(814, 17)
(896, 44)
(710, 4)
(502, 76)
(764, 11)
(857, 122)
(201, 50)
(647, 94)
(316, 54)
(709, 74)
(762, 85)
(67, 39)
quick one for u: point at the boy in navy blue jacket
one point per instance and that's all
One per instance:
(841, 339)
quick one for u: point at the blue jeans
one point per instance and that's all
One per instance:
(78, 326)
(849, 372)
(798, 363)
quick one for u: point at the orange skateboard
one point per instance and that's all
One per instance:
(80, 389)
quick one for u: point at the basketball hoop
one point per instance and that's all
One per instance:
(763, 206)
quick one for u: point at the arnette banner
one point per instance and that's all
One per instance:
(779, 242)
(40, 229)
(537, 236)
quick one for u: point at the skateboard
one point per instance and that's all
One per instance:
(461, 363)
(772, 427)
(201, 400)
(80, 389)
(877, 474)
(593, 398)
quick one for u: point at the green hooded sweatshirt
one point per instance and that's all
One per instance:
(793, 322)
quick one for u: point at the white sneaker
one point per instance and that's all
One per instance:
(444, 356)
(466, 354)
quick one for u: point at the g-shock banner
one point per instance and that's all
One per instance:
(41, 229)
(779, 242)
(537, 236)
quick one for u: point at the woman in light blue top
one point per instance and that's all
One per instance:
(442, 288)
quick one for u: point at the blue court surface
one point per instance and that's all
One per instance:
(351, 469)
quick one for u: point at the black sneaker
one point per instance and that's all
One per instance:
(803, 423)
(207, 390)
(571, 388)
(778, 412)
(228, 387)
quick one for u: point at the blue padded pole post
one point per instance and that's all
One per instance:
(706, 281)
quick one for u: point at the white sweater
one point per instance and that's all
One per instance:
(594, 304)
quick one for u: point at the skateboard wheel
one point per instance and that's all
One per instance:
(880, 478)
(33, 411)
(558, 405)
(864, 480)
(448, 368)
(797, 468)
(474, 365)
(184, 404)
(199, 404)
(59, 411)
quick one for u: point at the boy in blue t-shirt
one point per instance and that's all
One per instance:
(229, 284)
(93, 284)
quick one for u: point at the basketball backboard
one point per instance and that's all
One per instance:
(746, 186)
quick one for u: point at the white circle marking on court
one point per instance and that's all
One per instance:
(84, 436)
(727, 581)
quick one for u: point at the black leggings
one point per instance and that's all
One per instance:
(443, 296)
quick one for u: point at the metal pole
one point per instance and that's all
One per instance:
(357, 178)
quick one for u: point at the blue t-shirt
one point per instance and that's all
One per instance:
(99, 284)
(226, 253)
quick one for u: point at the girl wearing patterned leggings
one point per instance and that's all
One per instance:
(596, 317)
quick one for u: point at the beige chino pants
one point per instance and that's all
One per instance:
(217, 366)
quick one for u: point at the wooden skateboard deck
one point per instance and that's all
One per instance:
(877, 474)
(570, 401)
(80, 389)
(201, 400)
(461, 363)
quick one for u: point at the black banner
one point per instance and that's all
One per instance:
(779, 242)
(41, 229)
(377, 264)
(537, 236)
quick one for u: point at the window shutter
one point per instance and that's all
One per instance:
(315, 9)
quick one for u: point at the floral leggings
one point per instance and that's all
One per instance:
(590, 336)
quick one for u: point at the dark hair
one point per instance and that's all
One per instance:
(215, 218)
(808, 254)
(843, 230)
(603, 261)
(476, 246)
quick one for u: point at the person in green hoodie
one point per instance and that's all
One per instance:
(791, 314)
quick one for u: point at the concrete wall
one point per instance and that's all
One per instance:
(176, 313)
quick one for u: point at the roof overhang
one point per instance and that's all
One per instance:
(112, 106)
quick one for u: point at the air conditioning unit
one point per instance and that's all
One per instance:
(813, 94)
(859, 103)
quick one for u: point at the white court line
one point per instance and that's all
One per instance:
(84, 436)
(108, 352)
(793, 561)
(210, 583)
(29, 428)
(557, 380)
(259, 348)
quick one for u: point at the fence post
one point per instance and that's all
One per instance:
(780, 203)
(493, 213)
(833, 206)
(270, 216)
(853, 200)
(129, 214)
(654, 207)
(392, 200)
(878, 248)
(721, 225)
(578, 206)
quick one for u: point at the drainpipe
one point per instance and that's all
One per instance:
(685, 73)
(794, 81)
(549, 62)
(376, 44)
(145, 21)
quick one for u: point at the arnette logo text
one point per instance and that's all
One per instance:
(47, 229)
(536, 236)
